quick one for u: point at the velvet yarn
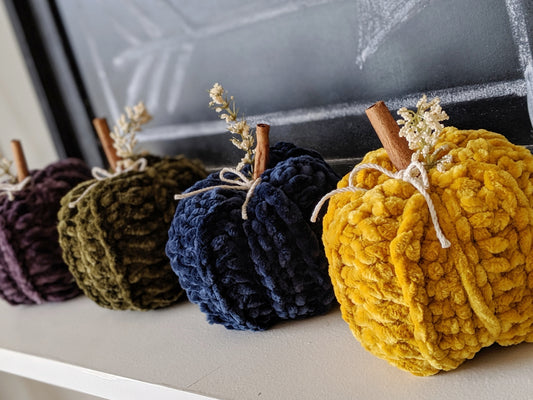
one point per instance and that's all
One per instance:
(249, 274)
(114, 238)
(408, 300)
(32, 270)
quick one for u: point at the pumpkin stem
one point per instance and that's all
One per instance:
(387, 130)
(261, 149)
(20, 160)
(102, 129)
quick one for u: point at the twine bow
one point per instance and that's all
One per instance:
(9, 189)
(415, 174)
(242, 182)
(100, 174)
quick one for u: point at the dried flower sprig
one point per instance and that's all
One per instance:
(228, 112)
(6, 176)
(422, 129)
(124, 132)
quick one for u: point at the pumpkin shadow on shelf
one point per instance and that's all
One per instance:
(496, 359)
(304, 323)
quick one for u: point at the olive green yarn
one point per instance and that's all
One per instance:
(114, 239)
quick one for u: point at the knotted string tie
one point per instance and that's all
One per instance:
(415, 174)
(9, 189)
(241, 182)
(100, 174)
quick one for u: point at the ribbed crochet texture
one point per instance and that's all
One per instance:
(419, 306)
(249, 274)
(114, 239)
(31, 268)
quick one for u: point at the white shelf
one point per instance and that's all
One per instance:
(174, 353)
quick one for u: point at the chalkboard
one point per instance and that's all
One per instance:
(307, 67)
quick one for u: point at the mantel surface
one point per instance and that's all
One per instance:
(175, 353)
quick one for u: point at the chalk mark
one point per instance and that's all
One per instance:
(341, 110)
(377, 19)
(161, 48)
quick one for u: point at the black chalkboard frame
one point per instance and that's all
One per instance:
(55, 77)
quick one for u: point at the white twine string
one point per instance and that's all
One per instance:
(9, 189)
(329, 195)
(100, 174)
(415, 174)
(242, 182)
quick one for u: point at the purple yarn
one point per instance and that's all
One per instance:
(32, 270)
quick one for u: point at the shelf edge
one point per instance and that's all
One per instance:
(86, 380)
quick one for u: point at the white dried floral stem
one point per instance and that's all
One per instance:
(6, 176)
(124, 132)
(422, 129)
(229, 113)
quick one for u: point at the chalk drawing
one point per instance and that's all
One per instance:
(150, 27)
(157, 80)
(377, 19)
(136, 52)
(101, 72)
(182, 20)
(159, 54)
(254, 16)
(125, 34)
(157, 58)
(348, 109)
(177, 80)
(137, 81)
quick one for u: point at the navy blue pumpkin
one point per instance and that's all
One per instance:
(251, 273)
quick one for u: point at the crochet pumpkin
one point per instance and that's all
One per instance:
(113, 232)
(31, 268)
(426, 300)
(244, 249)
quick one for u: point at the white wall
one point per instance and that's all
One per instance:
(21, 118)
(20, 115)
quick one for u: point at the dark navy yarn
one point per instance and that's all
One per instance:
(250, 274)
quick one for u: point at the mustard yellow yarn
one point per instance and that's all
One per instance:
(411, 302)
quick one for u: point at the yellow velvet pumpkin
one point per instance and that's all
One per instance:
(408, 300)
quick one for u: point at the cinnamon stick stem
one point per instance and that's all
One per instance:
(20, 160)
(102, 129)
(387, 130)
(261, 149)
